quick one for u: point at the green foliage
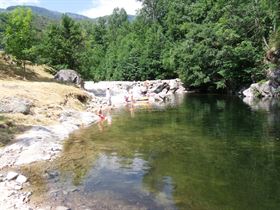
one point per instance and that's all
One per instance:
(63, 44)
(210, 45)
(19, 34)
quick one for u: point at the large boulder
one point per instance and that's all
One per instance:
(262, 90)
(265, 89)
(68, 75)
(274, 78)
(15, 105)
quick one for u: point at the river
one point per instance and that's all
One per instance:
(209, 152)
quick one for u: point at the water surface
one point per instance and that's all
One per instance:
(210, 152)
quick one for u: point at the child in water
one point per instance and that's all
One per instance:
(100, 114)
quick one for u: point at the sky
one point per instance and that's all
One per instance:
(90, 8)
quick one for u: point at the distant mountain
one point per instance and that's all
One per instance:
(53, 15)
(77, 16)
(130, 18)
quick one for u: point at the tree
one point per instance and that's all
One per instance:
(63, 44)
(19, 35)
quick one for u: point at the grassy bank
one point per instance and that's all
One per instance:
(48, 98)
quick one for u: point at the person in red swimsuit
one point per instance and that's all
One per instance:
(100, 114)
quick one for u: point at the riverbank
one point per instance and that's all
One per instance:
(38, 114)
(53, 111)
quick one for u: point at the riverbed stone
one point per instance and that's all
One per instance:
(62, 208)
(15, 105)
(17, 187)
(11, 175)
(21, 179)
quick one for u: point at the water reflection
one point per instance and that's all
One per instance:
(211, 152)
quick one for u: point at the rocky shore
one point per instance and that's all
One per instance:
(265, 89)
(45, 142)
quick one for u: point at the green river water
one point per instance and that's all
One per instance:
(209, 152)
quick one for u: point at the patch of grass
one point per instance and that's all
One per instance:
(9, 70)
(48, 97)
(262, 81)
(8, 130)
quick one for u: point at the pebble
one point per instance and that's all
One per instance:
(18, 187)
(74, 189)
(11, 175)
(21, 179)
(48, 208)
(62, 208)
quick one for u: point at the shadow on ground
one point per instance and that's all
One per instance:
(16, 72)
(8, 130)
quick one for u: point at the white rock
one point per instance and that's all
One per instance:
(45, 208)
(62, 208)
(11, 175)
(21, 179)
(17, 187)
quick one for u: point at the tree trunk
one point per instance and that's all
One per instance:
(24, 71)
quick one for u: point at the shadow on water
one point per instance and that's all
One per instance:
(211, 152)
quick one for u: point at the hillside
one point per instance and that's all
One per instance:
(47, 98)
(55, 16)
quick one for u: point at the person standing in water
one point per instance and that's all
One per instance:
(100, 113)
(109, 97)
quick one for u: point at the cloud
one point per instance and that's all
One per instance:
(105, 7)
(7, 3)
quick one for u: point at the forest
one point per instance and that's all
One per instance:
(211, 45)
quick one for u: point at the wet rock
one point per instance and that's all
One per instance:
(62, 208)
(11, 175)
(21, 179)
